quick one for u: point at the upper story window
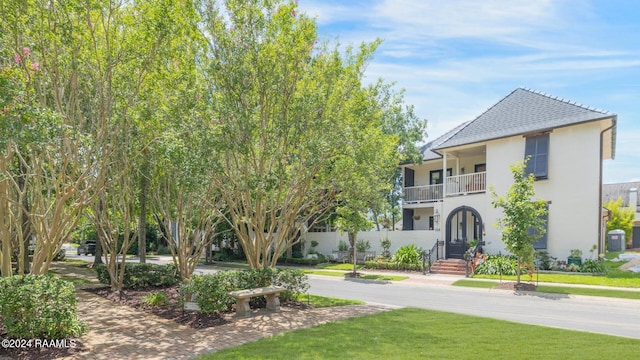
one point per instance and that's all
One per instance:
(537, 148)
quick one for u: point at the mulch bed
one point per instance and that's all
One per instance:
(135, 298)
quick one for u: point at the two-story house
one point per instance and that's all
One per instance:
(449, 193)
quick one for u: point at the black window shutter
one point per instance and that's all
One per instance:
(409, 177)
(537, 149)
(407, 219)
(541, 243)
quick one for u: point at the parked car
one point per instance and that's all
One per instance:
(88, 248)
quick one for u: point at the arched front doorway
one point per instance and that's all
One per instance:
(463, 225)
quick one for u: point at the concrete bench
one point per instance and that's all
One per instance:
(271, 293)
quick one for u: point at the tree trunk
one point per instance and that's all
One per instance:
(5, 221)
(352, 241)
(26, 224)
(97, 259)
(142, 223)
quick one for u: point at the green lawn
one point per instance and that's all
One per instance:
(569, 290)
(324, 301)
(76, 262)
(345, 267)
(422, 334)
(325, 273)
(367, 276)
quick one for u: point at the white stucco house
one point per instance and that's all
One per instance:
(448, 195)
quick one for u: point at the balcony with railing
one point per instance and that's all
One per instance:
(422, 194)
(455, 186)
(466, 184)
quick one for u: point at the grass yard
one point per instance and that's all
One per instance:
(568, 290)
(344, 267)
(76, 262)
(324, 301)
(423, 334)
(367, 276)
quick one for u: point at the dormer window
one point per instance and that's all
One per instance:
(537, 149)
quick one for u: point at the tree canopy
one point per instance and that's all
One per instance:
(621, 218)
(219, 110)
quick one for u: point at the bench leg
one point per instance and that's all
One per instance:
(242, 307)
(273, 302)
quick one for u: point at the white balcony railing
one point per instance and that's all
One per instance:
(466, 184)
(419, 194)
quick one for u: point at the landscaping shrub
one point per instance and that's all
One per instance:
(592, 266)
(211, 289)
(141, 275)
(386, 245)
(156, 299)
(295, 281)
(362, 245)
(545, 261)
(321, 259)
(408, 255)
(387, 265)
(39, 306)
(163, 250)
(497, 265)
(343, 246)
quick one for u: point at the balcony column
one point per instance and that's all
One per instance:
(444, 175)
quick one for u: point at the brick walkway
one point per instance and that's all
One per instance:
(120, 332)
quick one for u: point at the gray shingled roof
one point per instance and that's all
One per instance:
(614, 191)
(521, 112)
(426, 149)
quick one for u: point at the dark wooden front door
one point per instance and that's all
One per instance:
(463, 225)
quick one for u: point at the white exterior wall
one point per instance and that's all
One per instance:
(328, 241)
(464, 165)
(572, 187)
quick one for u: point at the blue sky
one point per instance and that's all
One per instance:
(456, 58)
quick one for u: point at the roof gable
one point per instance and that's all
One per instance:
(523, 111)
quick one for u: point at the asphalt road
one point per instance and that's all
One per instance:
(618, 317)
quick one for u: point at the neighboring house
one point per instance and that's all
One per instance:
(448, 195)
(629, 193)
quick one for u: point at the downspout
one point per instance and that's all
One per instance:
(601, 246)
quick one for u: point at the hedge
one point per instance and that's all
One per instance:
(385, 265)
(39, 306)
(140, 275)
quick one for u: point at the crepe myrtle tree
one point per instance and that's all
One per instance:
(522, 221)
(284, 111)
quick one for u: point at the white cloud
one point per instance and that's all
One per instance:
(456, 58)
(465, 18)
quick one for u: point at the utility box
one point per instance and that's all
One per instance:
(617, 240)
